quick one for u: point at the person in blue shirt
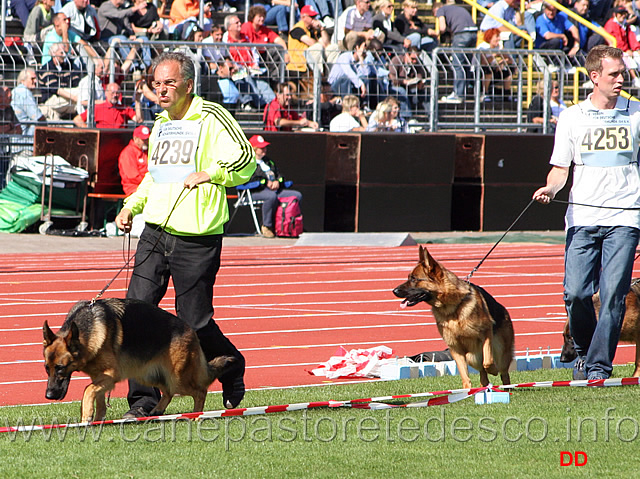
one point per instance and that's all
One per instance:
(24, 103)
(556, 32)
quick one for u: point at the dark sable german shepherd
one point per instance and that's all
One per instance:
(630, 332)
(477, 329)
(115, 339)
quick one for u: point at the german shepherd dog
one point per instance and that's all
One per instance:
(115, 339)
(630, 332)
(477, 329)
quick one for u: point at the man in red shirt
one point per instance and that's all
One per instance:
(278, 117)
(132, 161)
(110, 114)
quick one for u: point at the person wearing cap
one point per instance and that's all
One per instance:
(310, 43)
(278, 117)
(270, 185)
(132, 161)
(625, 41)
(196, 151)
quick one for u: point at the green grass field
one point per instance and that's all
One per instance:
(522, 439)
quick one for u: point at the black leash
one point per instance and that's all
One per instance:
(131, 257)
(596, 206)
(468, 279)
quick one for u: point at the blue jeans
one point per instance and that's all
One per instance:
(598, 258)
(278, 15)
(461, 40)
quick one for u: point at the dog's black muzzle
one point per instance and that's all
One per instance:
(412, 296)
(57, 388)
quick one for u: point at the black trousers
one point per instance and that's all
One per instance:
(192, 262)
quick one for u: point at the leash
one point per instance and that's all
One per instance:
(596, 206)
(468, 278)
(131, 257)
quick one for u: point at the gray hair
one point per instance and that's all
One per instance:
(22, 76)
(187, 69)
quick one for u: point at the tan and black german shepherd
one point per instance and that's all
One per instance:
(477, 329)
(630, 332)
(115, 339)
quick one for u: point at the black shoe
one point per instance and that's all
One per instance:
(233, 392)
(579, 372)
(135, 412)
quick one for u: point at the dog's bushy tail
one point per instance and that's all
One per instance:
(218, 366)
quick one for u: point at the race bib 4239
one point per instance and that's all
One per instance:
(173, 157)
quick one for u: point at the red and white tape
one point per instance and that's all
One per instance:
(437, 398)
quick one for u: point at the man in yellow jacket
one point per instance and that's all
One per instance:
(196, 150)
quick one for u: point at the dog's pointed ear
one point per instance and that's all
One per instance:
(49, 336)
(72, 338)
(425, 258)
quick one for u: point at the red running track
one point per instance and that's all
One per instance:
(286, 308)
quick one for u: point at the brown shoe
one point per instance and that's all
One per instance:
(267, 232)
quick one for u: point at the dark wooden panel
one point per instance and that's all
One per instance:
(403, 208)
(522, 158)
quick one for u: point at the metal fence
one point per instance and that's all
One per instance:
(493, 88)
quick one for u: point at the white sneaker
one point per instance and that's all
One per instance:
(452, 99)
(328, 22)
(636, 82)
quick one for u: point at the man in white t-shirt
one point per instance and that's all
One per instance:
(351, 118)
(600, 136)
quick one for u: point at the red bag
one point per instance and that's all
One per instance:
(288, 217)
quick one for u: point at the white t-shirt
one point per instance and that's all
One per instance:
(343, 122)
(603, 146)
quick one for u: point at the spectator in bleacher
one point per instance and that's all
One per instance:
(310, 43)
(58, 81)
(458, 22)
(9, 123)
(386, 31)
(351, 118)
(40, 17)
(278, 115)
(111, 113)
(496, 68)
(83, 19)
(88, 82)
(626, 41)
(230, 93)
(256, 31)
(343, 77)
(61, 33)
(247, 61)
(588, 38)
(410, 26)
(116, 27)
(183, 10)
(407, 82)
(146, 22)
(535, 111)
(24, 103)
(509, 11)
(556, 32)
(276, 13)
(358, 23)
(22, 8)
